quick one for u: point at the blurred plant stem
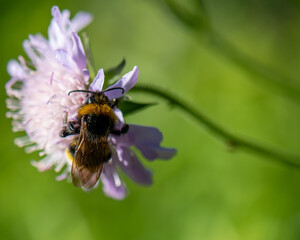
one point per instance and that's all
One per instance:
(199, 22)
(89, 58)
(231, 140)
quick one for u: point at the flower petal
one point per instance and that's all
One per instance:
(120, 121)
(147, 140)
(9, 87)
(39, 43)
(132, 167)
(86, 75)
(126, 82)
(15, 70)
(145, 134)
(139, 134)
(78, 52)
(64, 59)
(97, 84)
(112, 184)
(81, 20)
(59, 31)
(55, 12)
(30, 52)
(154, 152)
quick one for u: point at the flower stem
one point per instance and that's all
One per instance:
(89, 58)
(226, 136)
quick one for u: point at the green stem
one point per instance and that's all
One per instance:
(89, 58)
(218, 131)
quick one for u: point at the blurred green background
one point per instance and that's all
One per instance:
(205, 192)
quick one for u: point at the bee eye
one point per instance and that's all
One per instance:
(90, 100)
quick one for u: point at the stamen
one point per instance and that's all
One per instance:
(50, 99)
(51, 78)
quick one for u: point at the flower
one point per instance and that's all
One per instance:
(59, 66)
(39, 104)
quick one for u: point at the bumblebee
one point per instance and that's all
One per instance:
(96, 120)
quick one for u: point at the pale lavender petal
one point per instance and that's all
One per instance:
(30, 52)
(132, 167)
(64, 58)
(56, 36)
(65, 18)
(55, 12)
(16, 70)
(112, 184)
(40, 43)
(62, 176)
(86, 74)
(144, 134)
(81, 20)
(139, 134)
(97, 84)
(62, 19)
(78, 52)
(9, 87)
(147, 140)
(126, 82)
(154, 152)
(120, 121)
(59, 30)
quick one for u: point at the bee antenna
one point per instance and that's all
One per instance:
(110, 89)
(87, 91)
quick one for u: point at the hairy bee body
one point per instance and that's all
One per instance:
(96, 120)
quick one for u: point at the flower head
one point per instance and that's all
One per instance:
(58, 65)
(39, 104)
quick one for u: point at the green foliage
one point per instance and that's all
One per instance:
(206, 192)
(128, 107)
(112, 74)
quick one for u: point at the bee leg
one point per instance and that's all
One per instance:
(114, 103)
(124, 130)
(70, 126)
(71, 129)
(64, 131)
(108, 158)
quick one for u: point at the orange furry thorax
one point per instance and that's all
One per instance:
(97, 109)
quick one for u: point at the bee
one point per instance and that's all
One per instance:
(96, 120)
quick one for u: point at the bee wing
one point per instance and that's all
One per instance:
(84, 177)
(87, 163)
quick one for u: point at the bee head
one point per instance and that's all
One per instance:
(97, 97)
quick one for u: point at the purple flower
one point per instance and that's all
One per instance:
(37, 107)
(40, 106)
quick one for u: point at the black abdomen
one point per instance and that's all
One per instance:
(99, 124)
